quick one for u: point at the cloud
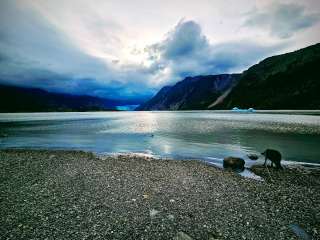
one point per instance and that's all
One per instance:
(28, 42)
(34, 53)
(186, 51)
(184, 41)
(82, 53)
(282, 20)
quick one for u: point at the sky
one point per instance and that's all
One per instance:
(129, 49)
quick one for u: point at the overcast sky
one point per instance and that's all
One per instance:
(131, 48)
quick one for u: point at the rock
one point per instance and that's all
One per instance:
(234, 163)
(182, 236)
(253, 156)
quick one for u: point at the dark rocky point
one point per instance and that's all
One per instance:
(234, 163)
(253, 156)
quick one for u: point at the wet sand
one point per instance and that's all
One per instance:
(76, 195)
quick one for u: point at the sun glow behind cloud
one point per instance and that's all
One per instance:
(129, 49)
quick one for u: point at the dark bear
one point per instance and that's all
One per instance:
(274, 156)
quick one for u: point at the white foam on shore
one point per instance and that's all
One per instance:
(249, 174)
(147, 154)
(218, 162)
(291, 163)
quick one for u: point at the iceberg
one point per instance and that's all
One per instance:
(249, 110)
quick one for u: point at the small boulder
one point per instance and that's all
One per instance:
(253, 156)
(234, 163)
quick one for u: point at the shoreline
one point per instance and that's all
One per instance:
(218, 162)
(76, 194)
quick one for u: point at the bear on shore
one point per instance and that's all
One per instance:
(274, 156)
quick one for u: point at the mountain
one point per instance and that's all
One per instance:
(20, 99)
(191, 93)
(288, 81)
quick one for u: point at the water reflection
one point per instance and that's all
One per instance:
(197, 134)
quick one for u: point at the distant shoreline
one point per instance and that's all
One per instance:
(76, 194)
(282, 111)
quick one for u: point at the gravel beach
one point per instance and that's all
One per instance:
(77, 195)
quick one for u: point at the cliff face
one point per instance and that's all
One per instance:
(191, 93)
(288, 81)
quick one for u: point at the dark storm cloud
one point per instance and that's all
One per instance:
(186, 51)
(282, 20)
(186, 40)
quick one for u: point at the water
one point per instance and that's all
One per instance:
(209, 135)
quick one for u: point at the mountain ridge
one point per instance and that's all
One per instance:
(203, 90)
(285, 81)
(22, 99)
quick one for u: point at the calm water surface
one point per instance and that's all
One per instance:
(206, 135)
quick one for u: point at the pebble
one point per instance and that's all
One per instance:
(153, 213)
(97, 194)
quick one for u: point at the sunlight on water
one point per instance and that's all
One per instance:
(194, 134)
